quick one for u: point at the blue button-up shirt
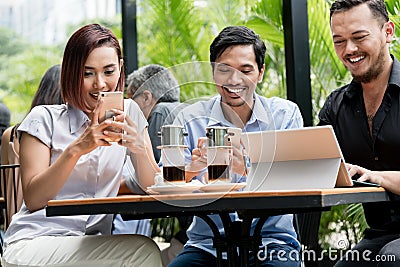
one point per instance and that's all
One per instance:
(268, 114)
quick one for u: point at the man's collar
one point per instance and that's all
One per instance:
(395, 73)
(217, 117)
(260, 113)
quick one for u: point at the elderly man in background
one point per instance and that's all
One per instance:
(155, 89)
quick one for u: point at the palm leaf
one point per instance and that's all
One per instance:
(393, 7)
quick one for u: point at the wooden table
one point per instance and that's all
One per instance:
(249, 205)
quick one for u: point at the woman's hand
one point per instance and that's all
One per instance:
(41, 182)
(129, 136)
(132, 139)
(93, 136)
(141, 155)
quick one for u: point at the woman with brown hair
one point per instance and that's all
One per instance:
(64, 154)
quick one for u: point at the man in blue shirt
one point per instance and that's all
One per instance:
(237, 56)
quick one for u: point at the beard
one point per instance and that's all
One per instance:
(373, 72)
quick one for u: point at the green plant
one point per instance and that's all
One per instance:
(342, 225)
(21, 69)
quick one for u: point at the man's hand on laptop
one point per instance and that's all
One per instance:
(361, 174)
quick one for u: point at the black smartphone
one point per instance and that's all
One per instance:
(357, 183)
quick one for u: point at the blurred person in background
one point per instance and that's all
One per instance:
(48, 93)
(5, 116)
(156, 90)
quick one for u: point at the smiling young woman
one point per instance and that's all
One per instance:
(64, 154)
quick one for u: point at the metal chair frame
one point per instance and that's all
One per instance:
(4, 201)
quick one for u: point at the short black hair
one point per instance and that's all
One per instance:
(377, 7)
(238, 35)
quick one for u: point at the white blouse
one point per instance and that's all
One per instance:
(96, 174)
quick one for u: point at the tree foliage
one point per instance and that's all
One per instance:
(21, 68)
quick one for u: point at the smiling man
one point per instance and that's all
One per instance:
(237, 60)
(365, 116)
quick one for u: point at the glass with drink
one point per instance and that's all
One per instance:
(219, 164)
(172, 153)
(173, 164)
(218, 154)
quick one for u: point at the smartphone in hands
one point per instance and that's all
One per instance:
(112, 100)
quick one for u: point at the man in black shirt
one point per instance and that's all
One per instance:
(365, 115)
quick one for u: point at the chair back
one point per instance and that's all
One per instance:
(11, 189)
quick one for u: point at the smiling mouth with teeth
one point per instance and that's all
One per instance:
(357, 59)
(232, 90)
(94, 95)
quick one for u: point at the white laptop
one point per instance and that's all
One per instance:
(304, 158)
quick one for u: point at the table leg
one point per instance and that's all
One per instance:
(250, 242)
(245, 242)
(219, 242)
(237, 238)
(258, 238)
(232, 231)
(229, 242)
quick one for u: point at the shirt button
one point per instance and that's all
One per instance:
(376, 158)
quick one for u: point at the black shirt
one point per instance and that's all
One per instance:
(344, 109)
